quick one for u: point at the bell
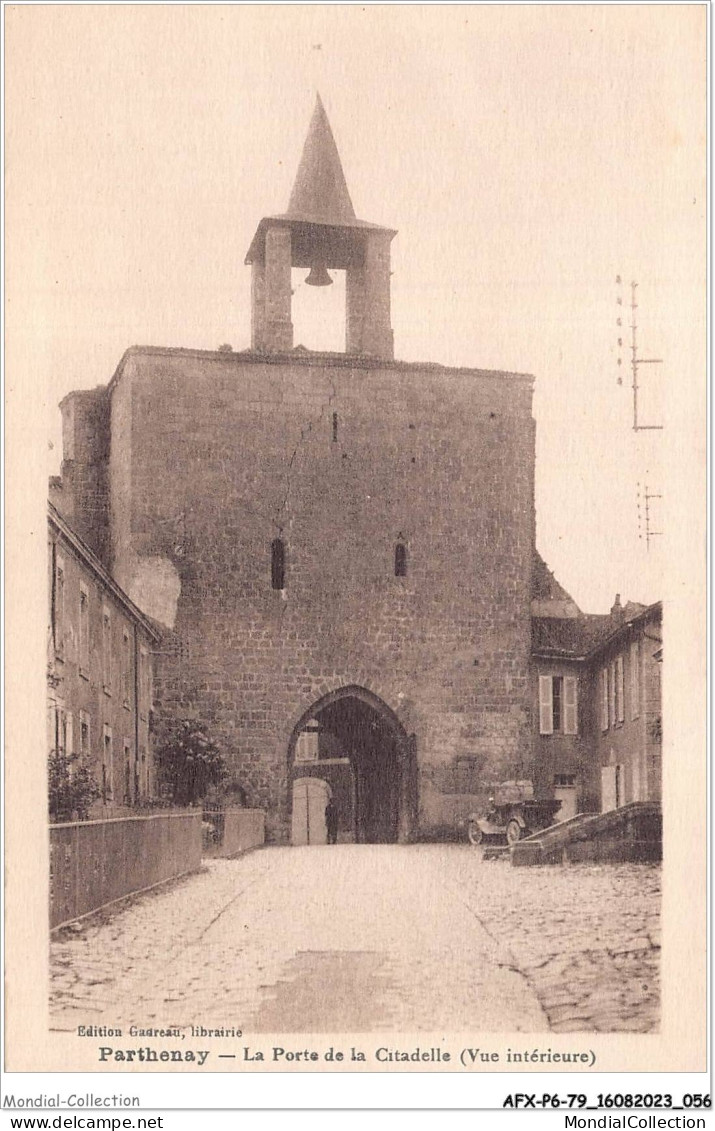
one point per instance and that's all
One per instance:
(319, 276)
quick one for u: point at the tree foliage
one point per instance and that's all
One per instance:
(72, 789)
(189, 763)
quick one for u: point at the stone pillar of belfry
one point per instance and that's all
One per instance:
(258, 306)
(354, 308)
(272, 328)
(367, 300)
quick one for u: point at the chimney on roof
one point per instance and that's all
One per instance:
(617, 609)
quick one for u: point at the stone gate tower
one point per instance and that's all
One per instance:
(337, 546)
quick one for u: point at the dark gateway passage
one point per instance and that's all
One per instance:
(356, 754)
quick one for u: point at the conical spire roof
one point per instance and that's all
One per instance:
(319, 201)
(320, 192)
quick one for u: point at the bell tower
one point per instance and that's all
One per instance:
(321, 232)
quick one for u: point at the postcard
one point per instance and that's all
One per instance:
(356, 518)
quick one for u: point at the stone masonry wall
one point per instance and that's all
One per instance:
(215, 455)
(84, 497)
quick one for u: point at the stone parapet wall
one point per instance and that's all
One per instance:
(234, 831)
(631, 833)
(94, 863)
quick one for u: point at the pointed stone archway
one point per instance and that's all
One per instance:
(351, 740)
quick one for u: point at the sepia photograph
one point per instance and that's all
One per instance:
(355, 435)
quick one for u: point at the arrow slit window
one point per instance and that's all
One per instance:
(278, 563)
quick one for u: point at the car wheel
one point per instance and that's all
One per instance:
(474, 833)
(513, 831)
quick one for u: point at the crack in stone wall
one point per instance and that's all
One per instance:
(304, 433)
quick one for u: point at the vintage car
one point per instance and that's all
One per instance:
(513, 813)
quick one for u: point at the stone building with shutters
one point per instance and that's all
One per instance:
(339, 546)
(99, 670)
(596, 697)
(625, 670)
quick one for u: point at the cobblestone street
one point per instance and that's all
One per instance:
(372, 938)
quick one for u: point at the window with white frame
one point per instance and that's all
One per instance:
(558, 704)
(107, 649)
(83, 630)
(58, 607)
(128, 782)
(306, 745)
(145, 688)
(69, 734)
(63, 737)
(126, 667)
(51, 725)
(84, 735)
(604, 699)
(618, 693)
(635, 679)
(68, 740)
(107, 765)
(57, 733)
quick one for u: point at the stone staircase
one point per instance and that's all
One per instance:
(632, 833)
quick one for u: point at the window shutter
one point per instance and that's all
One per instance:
(636, 781)
(608, 788)
(570, 705)
(106, 649)
(126, 668)
(51, 725)
(306, 747)
(546, 705)
(59, 609)
(84, 735)
(635, 680)
(69, 733)
(83, 628)
(61, 729)
(604, 698)
(108, 765)
(143, 681)
(57, 730)
(612, 694)
(620, 711)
